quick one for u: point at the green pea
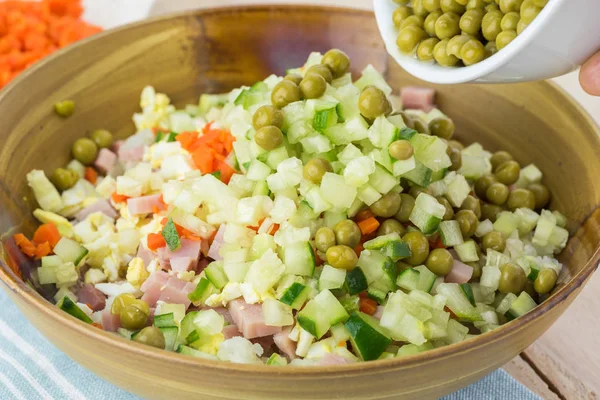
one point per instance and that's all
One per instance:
(421, 126)
(418, 8)
(64, 178)
(313, 86)
(388, 205)
(401, 149)
(456, 43)
(409, 37)
(508, 172)
(455, 157)
(431, 5)
(482, 184)
(497, 193)
(102, 137)
(402, 2)
(490, 211)
(64, 108)
(545, 281)
(540, 3)
(407, 203)
(521, 198)
(490, 24)
(490, 49)
(337, 61)
(391, 226)
(341, 257)
(456, 144)
(296, 78)
(440, 262)
(414, 20)
(521, 26)
(472, 203)
(429, 22)
(492, 7)
(85, 151)
(442, 127)
(315, 169)
(468, 222)
(493, 240)
(425, 49)
(477, 269)
(269, 137)
(133, 318)
(475, 4)
(510, 21)
(504, 38)
(447, 25)
(441, 57)
(400, 14)
(415, 191)
(372, 102)
(452, 6)
(507, 6)
(470, 21)
(529, 11)
(151, 336)
(500, 157)
(322, 70)
(541, 195)
(324, 239)
(449, 214)
(347, 233)
(284, 93)
(419, 247)
(121, 301)
(267, 116)
(472, 52)
(512, 279)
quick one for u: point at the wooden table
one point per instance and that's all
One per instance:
(565, 362)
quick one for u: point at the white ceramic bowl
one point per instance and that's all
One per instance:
(562, 37)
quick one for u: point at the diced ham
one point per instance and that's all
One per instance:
(146, 255)
(284, 343)
(417, 98)
(127, 154)
(144, 204)
(460, 273)
(378, 312)
(133, 148)
(189, 248)
(230, 331)
(117, 145)
(176, 292)
(333, 359)
(202, 264)
(110, 322)
(91, 296)
(153, 286)
(105, 161)
(101, 205)
(250, 319)
(218, 241)
(181, 264)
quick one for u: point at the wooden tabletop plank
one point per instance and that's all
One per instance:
(565, 362)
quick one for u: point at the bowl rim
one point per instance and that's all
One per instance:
(35, 300)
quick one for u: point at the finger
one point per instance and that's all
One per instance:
(589, 77)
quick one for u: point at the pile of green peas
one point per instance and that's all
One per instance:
(133, 314)
(451, 32)
(84, 150)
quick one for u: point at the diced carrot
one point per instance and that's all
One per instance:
(186, 139)
(368, 225)
(226, 172)
(367, 305)
(203, 159)
(437, 244)
(274, 229)
(119, 198)
(91, 175)
(358, 249)
(42, 250)
(364, 214)
(25, 245)
(46, 233)
(363, 295)
(156, 241)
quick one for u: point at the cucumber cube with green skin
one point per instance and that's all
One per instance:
(203, 290)
(70, 251)
(458, 302)
(396, 250)
(276, 359)
(431, 151)
(170, 334)
(378, 295)
(295, 295)
(426, 222)
(182, 349)
(380, 270)
(367, 337)
(426, 279)
(216, 274)
(450, 233)
(356, 281)
(522, 305)
(333, 309)
(420, 175)
(313, 319)
(380, 241)
(164, 320)
(467, 252)
(468, 291)
(299, 259)
(68, 306)
(408, 279)
(407, 133)
(324, 119)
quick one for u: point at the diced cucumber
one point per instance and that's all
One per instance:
(51, 262)
(367, 337)
(208, 101)
(331, 278)
(408, 279)
(490, 277)
(70, 251)
(533, 273)
(379, 242)
(216, 274)
(450, 233)
(427, 223)
(458, 302)
(170, 334)
(325, 115)
(203, 290)
(372, 77)
(356, 281)
(381, 180)
(333, 309)
(164, 320)
(258, 171)
(456, 332)
(331, 218)
(276, 360)
(420, 175)
(347, 108)
(299, 259)
(381, 272)
(457, 189)
(468, 291)
(340, 333)
(182, 349)
(467, 251)
(295, 295)
(368, 195)
(276, 313)
(68, 306)
(431, 151)
(506, 303)
(411, 349)
(426, 279)
(396, 250)
(506, 223)
(522, 305)
(382, 133)
(313, 319)
(376, 294)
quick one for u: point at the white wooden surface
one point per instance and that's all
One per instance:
(565, 362)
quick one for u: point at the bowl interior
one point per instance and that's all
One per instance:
(211, 51)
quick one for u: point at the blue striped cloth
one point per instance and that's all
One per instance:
(31, 368)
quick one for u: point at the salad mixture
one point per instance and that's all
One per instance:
(306, 219)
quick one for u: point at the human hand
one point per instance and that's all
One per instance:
(589, 77)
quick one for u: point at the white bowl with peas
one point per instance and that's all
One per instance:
(540, 39)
